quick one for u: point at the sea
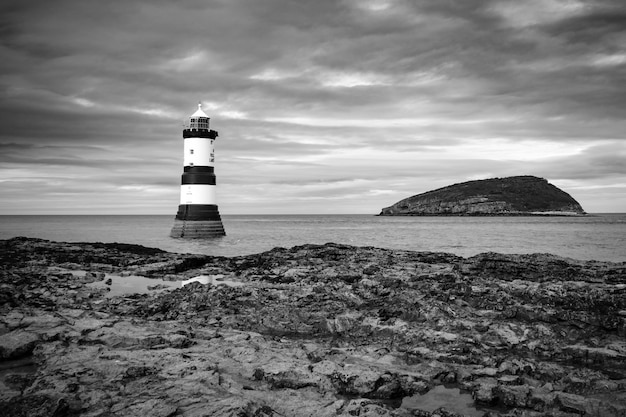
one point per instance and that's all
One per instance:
(599, 237)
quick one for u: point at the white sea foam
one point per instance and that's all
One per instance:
(213, 280)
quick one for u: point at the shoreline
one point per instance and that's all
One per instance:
(507, 214)
(313, 330)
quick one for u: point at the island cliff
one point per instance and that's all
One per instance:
(521, 195)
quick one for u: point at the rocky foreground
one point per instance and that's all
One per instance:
(314, 331)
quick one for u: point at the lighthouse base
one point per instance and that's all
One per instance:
(197, 221)
(197, 229)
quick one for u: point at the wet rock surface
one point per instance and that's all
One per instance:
(316, 330)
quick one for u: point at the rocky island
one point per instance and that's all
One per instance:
(521, 195)
(314, 330)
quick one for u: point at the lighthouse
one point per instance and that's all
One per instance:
(198, 216)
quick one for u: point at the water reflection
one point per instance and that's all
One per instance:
(133, 284)
(452, 399)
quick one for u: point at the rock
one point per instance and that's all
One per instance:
(541, 400)
(353, 380)
(365, 408)
(148, 407)
(325, 367)
(484, 371)
(17, 344)
(484, 393)
(572, 403)
(286, 375)
(36, 406)
(18, 382)
(512, 396)
(343, 322)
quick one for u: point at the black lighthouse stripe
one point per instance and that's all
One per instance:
(203, 178)
(198, 212)
(198, 168)
(199, 133)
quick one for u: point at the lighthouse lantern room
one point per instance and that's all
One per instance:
(198, 215)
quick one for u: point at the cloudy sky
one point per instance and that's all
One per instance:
(342, 106)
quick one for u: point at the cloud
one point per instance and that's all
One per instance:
(340, 105)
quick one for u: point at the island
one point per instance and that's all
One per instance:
(312, 330)
(512, 196)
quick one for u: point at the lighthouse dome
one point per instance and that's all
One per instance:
(197, 125)
(199, 121)
(199, 112)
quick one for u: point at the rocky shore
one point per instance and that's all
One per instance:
(314, 330)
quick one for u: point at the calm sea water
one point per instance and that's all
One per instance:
(599, 237)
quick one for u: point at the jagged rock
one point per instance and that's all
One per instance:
(286, 375)
(353, 380)
(574, 403)
(484, 393)
(513, 396)
(17, 344)
(497, 196)
(365, 408)
(36, 406)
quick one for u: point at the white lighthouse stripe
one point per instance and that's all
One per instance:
(197, 194)
(198, 152)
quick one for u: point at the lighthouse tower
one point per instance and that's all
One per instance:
(197, 215)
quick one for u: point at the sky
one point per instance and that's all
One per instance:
(322, 107)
